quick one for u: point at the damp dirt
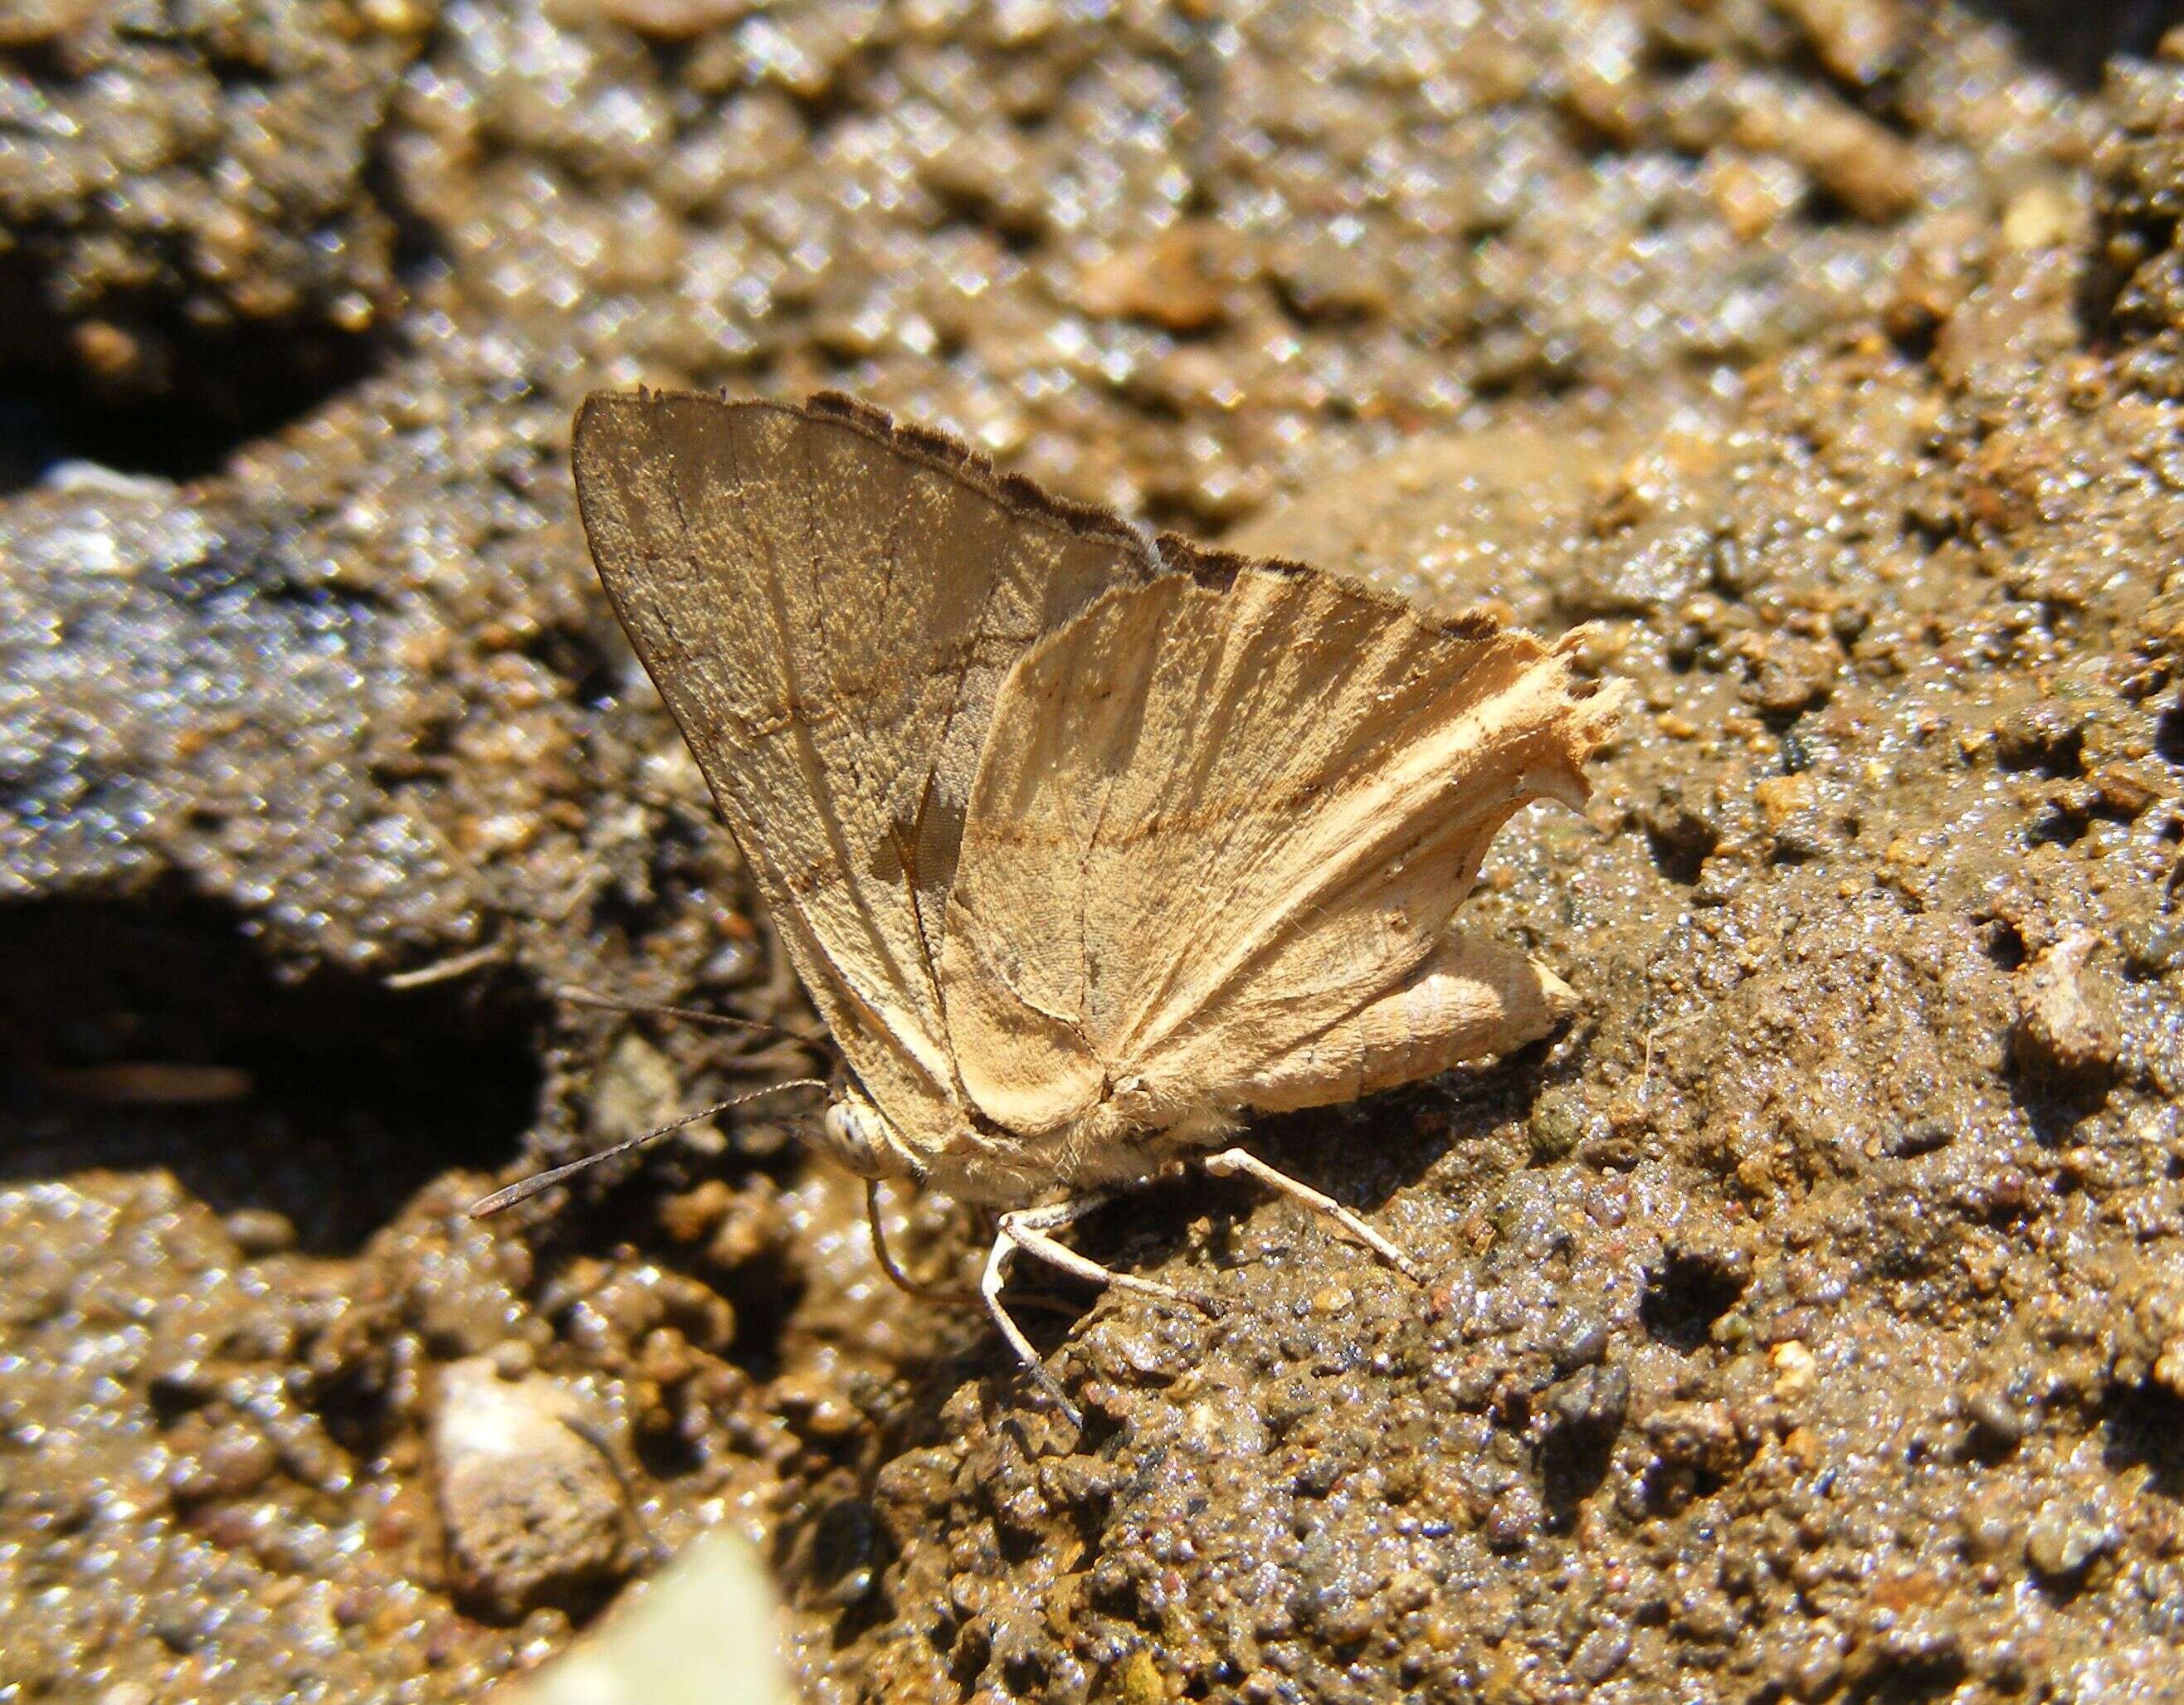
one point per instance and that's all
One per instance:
(1805, 1321)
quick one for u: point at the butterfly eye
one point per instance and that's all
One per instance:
(849, 1134)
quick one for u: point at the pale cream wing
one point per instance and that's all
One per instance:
(827, 604)
(1221, 823)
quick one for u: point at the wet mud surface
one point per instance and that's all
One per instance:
(1806, 1321)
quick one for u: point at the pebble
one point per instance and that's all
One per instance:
(1782, 798)
(2151, 946)
(2066, 1028)
(1590, 1403)
(2067, 1534)
(1699, 1436)
(704, 1631)
(1997, 1421)
(1516, 1516)
(259, 1231)
(232, 1463)
(1796, 1370)
(1789, 674)
(533, 1513)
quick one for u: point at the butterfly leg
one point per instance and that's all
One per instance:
(1230, 1164)
(1027, 1229)
(891, 1264)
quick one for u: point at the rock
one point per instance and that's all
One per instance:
(1684, 833)
(2149, 1336)
(672, 21)
(1515, 1518)
(1998, 1423)
(1697, 1435)
(1857, 40)
(532, 1511)
(2067, 1534)
(1781, 799)
(1589, 1405)
(2151, 946)
(2066, 1029)
(2046, 736)
(1796, 1370)
(1789, 674)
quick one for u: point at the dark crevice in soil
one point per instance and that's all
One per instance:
(2075, 41)
(1686, 1295)
(1908, 1680)
(2144, 1427)
(230, 389)
(2169, 734)
(157, 1034)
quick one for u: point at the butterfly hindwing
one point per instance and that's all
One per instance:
(1222, 821)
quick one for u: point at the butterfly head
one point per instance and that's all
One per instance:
(856, 1134)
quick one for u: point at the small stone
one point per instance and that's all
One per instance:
(2127, 789)
(1179, 279)
(1857, 40)
(1997, 1423)
(2151, 946)
(1515, 1518)
(1579, 1339)
(2067, 1534)
(2043, 216)
(2066, 1028)
(1698, 1436)
(1875, 173)
(1918, 1136)
(1337, 1298)
(1141, 1680)
(2150, 1337)
(1782, 798)
(259, 1231)
(1796, 1370)
(1600, 1654)
(1590, 1404)
(704, 1630)
(1987, 1531)
(1411, 1590)
(232, 1463)
(533, 1511)
(672, 21)
(1559, 1120)
(2047, 736)
(1132, 1354)
(691, 1215)
(1225, 1425)
(1789, 674)
(1684, 833)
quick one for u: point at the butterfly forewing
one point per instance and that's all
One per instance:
(828, 605)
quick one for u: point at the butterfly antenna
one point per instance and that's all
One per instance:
(575, 996)
(524, 1188)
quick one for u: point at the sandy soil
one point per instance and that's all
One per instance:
(1806, 1321)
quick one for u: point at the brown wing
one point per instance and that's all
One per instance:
(827, 604)
(1215, 824)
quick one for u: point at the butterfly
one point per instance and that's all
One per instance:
(1086, 844)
